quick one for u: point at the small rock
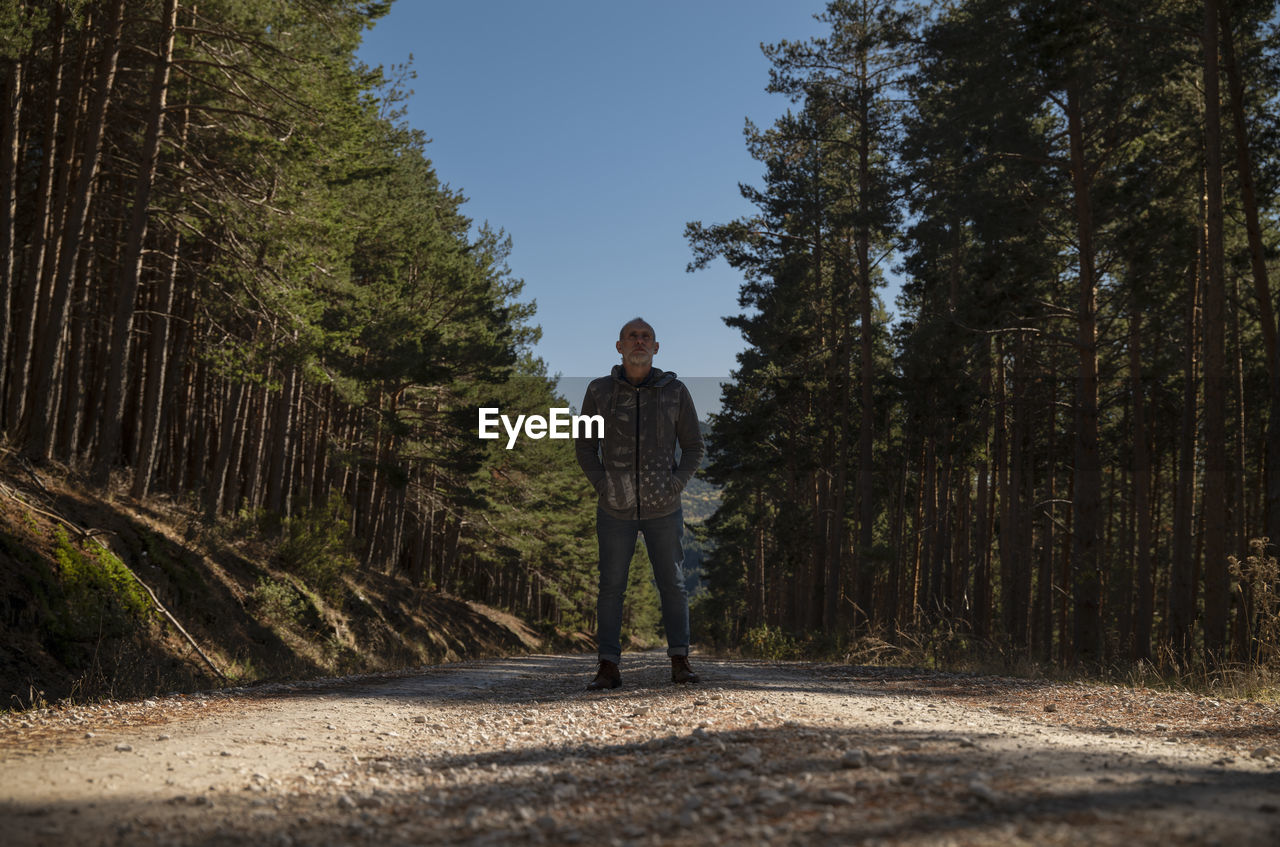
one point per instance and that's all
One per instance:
(769, 797)
(416, 719)
(369, 801)
(1263, 752)
(163, 737)
(751, 757)
(836, 798)
(982, 791)
(124, 748)
(886, 763)
(345, 802)
(320, 765)
(90, 735)
(1050, 707)
(854, 759)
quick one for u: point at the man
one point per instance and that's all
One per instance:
(647, 412)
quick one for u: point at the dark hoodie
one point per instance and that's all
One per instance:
(634, 470)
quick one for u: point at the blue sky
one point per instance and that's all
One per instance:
(592, 132)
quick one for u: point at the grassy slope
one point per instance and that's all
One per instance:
(58, 640)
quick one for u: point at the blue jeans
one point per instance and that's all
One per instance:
(617, 545)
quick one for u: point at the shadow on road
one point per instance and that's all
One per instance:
(836, 783)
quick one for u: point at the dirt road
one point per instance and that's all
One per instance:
(515, 752)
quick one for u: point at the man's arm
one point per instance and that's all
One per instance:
(689, 435)
(588, 449)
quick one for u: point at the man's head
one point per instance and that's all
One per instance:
(637, 343)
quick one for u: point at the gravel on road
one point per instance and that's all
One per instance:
(514, 751)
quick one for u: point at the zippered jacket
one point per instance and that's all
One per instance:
(633, 468)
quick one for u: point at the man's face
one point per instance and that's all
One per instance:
(637, 345)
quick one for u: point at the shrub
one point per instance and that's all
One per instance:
(1258, 575)
(317, 547)
(769, 642)
(277, 602)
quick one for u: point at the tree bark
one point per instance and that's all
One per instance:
(40, 427)
(32, 294)
(1086, 500)
(281, 445)
(132, 260)
(1182, 583)
(1215, 375)
(1144, 584)
(9, 209)
(227, 433)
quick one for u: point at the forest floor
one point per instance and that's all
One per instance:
(514, 751)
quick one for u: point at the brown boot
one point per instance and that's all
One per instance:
(606, 677)
(680, 670)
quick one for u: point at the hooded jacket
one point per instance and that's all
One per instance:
(633, 468)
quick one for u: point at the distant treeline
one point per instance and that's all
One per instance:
(232, 276)
(1073, 424)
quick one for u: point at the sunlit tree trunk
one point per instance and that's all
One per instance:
(8, 208)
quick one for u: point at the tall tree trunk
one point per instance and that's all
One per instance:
(1248, 194)
(1144, 585)
(131, 262)
(227, 432)
(40, 426)
(9, 209)
(79, 367)
(32, 295)
(1046, 584)
(866, 425)
(983, 526)
(153, 400)
(281, 445)
(1182, 583)
(1086, 559)
(1216, 598)
(1258, 268)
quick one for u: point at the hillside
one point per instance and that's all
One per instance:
(74, 623)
